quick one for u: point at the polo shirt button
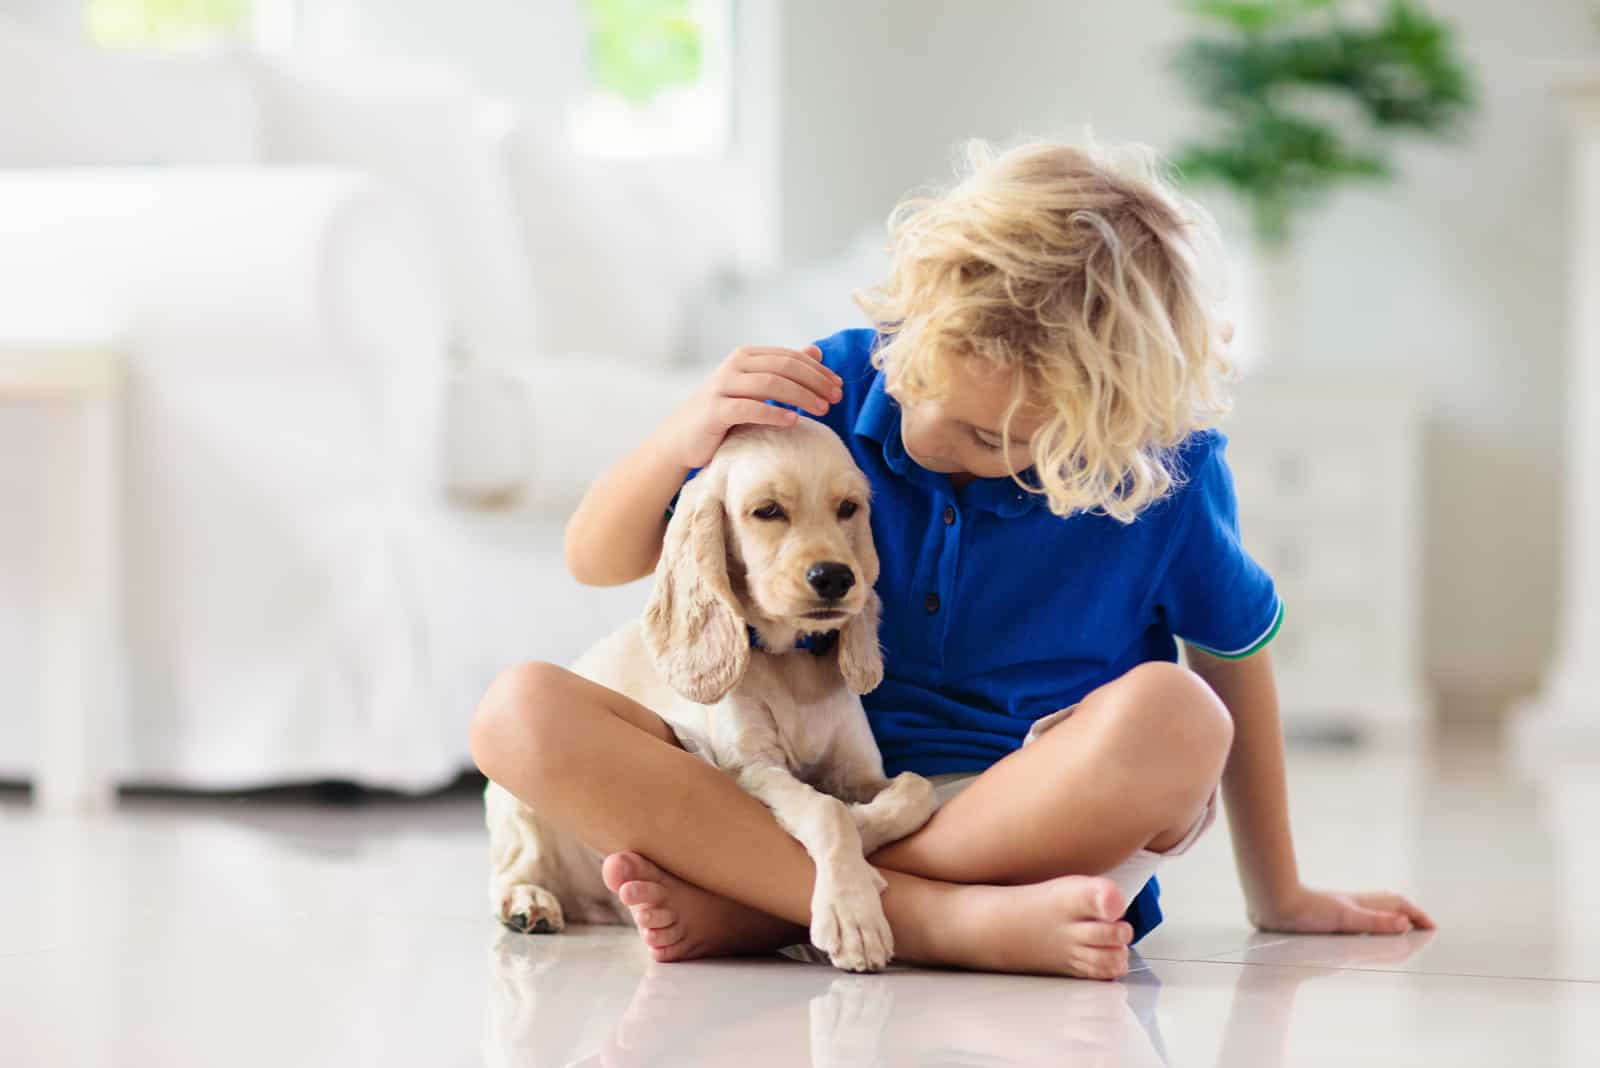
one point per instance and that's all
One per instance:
(949, 515)
(931, 603)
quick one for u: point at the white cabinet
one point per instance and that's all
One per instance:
(1328, 473)
(1561, 725)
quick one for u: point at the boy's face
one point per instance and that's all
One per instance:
(959, 434)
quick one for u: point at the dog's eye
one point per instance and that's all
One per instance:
(770, 510)
(848, 509)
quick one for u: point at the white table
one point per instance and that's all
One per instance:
(80, 635)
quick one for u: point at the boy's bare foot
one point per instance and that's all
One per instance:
(680, 921)
(1065, 926)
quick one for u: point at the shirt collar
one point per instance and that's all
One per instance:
(879, 420)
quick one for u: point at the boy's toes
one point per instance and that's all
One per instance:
(614, 870)
(1093, 897)
(622, 867)
(1099, 933)
(662, 937)
(647, 918)
(1101, 962)
(1108, 902)
(639, 892)
(680, 950)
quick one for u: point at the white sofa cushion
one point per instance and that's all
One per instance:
(433, 134)
(305, 264)
(542, 430)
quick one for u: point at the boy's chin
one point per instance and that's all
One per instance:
(938, 467)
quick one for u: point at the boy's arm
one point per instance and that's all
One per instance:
(615, 534)
(1256, 797)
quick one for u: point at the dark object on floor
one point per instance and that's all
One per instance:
(340, 792)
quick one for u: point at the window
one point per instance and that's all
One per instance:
(658, 78)
(188, 25)
(164, 23)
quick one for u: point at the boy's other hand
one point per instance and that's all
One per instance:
(737, 392)
(1308, 911)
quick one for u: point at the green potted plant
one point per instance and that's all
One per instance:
(1306, 95)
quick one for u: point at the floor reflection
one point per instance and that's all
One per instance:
(1262, 1006)
(549, 994)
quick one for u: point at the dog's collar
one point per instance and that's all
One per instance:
(817, 644)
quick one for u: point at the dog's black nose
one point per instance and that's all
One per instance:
(831, 580)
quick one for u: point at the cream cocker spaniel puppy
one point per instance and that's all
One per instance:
(759, 636)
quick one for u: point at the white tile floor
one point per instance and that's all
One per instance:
(248, 932)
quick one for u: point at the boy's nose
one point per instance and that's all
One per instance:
(831, 579)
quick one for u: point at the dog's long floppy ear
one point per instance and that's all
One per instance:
(694, 630)
(860, 658)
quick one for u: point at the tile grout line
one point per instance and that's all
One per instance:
(1393, 971)
(1214, 956)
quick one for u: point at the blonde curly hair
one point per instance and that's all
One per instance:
(1081, 270)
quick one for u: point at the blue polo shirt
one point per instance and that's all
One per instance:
(997, 612)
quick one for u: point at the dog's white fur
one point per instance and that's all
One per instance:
(787, 724)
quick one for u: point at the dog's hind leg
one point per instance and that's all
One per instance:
(541, 877)
(520, 866)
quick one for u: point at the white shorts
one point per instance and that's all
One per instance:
(1130, 875)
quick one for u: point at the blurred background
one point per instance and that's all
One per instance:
(372, 289)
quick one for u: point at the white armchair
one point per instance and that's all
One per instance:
(285, 337)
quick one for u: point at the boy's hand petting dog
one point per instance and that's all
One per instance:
(737, 392)
(1307, 911)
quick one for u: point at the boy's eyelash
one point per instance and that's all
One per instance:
(985, 444)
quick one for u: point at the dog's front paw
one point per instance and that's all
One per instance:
(848, 924)
(899, 809)
(909, 803)
(530, 909)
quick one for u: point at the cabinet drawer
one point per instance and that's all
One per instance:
(1280, 477)
(1321, 560)
(1324, 640)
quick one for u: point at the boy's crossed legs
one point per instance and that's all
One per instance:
(999, 879)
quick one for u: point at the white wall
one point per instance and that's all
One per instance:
(1455, 274)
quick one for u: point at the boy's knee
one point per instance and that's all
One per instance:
(1176, 730)
(1169, 707)
(510, 717)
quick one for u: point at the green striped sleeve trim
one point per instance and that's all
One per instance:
(1254, 647)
